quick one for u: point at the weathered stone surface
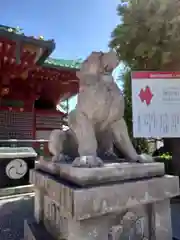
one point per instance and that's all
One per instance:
(38, 205)
(53, 220)
(131, 209)
(56, 190)
(162, 220)
(132, 226)
(34, 231)
(109, 173)
(84, 203)
(128, 224)
(110, 202)
(97, 120)
(100, 228)
(108, 199)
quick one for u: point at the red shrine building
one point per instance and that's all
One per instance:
(31, 85)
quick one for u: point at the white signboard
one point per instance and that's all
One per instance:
(156, 104)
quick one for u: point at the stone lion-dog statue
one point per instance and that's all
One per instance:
(97, 121)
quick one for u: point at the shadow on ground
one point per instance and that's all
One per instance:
(175, 213)
(12, 214)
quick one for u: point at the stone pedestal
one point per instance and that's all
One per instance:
(124, 201)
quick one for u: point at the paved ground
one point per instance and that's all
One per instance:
(175, 210)
(13, 212)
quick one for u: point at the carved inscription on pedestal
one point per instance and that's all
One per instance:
(63, 195)
(131, 227)
(55, 223)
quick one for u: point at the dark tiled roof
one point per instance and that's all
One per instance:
(49, 62)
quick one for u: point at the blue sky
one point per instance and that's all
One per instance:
(78, 26)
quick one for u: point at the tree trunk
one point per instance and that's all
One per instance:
(176, 155)
(174, 143)
(167, 145)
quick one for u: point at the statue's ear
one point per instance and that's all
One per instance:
(93, 57)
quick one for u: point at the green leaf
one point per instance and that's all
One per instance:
(141, 49)
(166, 57)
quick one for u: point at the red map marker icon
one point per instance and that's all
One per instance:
(146, 95)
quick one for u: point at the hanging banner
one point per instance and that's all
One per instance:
(156, 104)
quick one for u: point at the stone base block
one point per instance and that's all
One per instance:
(112, 172)
(88, 202)
(34, 231)
(129, 209)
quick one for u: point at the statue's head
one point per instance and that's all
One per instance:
(99, 63)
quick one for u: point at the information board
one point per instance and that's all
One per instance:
(156, 104)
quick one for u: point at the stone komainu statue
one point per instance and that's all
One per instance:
(97, 121)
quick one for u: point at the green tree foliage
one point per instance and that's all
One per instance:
(147, 38)
(128, 103)
(149, 34)
(140, 144)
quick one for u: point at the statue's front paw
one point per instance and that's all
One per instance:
(87, 162)
(145, 158)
